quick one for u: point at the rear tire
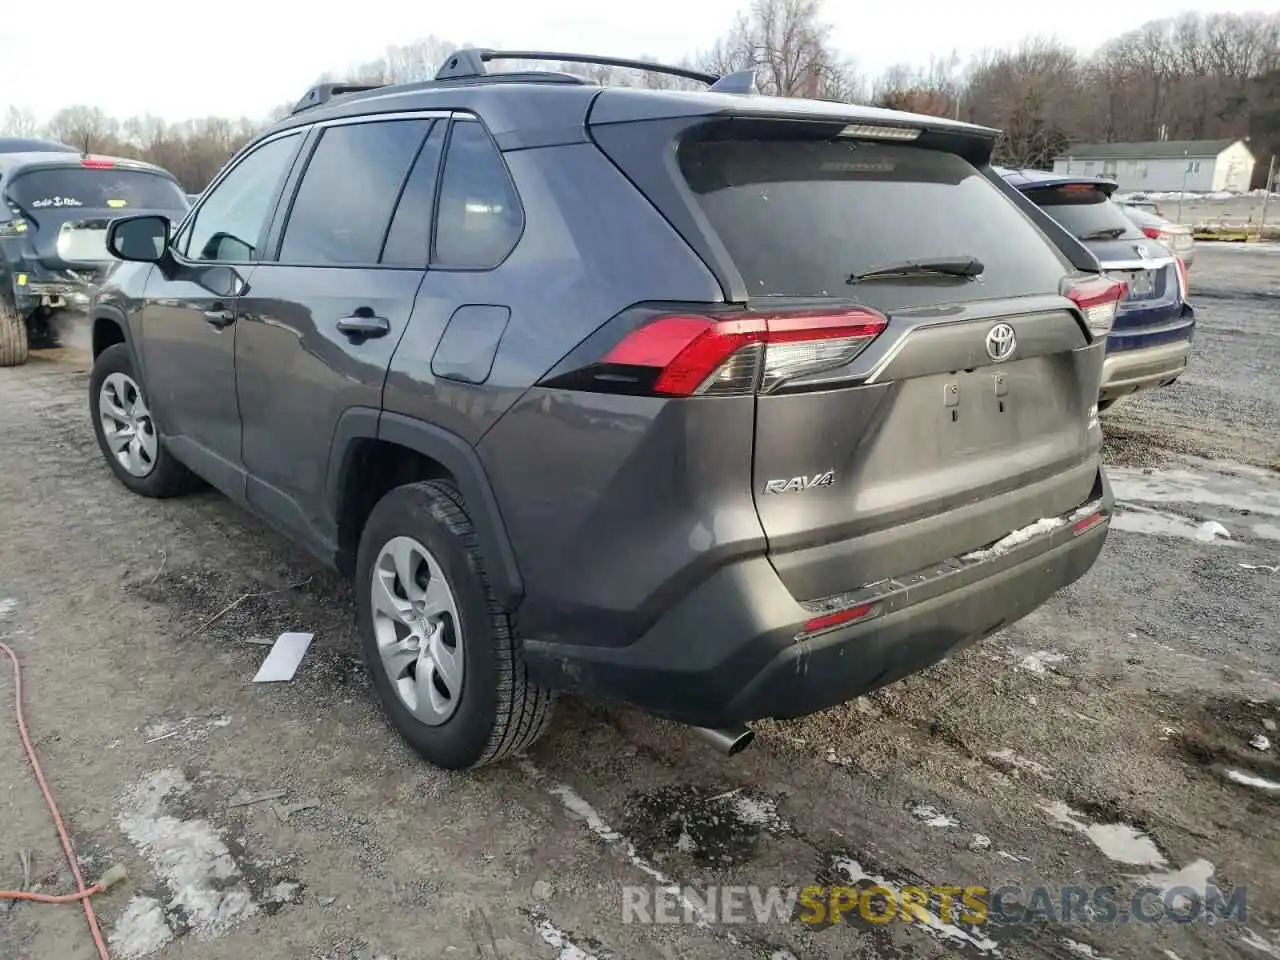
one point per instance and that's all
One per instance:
(15, 348)
(156, 473)
(452, 683)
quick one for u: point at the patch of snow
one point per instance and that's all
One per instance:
(1218, 483)
(8, 607)
(1016, 539)
(1261, 566)
(558, 941)
(1171, 955)
(576, 805)
(1081, 949)
(1041, 660)
(1015, 857)
(189, 856)
(141, 930)
(1250, 780)
(1260, 741)
(1007, 756)
(1132, 518)
(755, 811)
(1211, 529)
(931, 816)
(1118, 841)
(1251, 939)
(188, 730)
(1267, 531)
(980, 842)
(1196, 875)
(930, 922)
(839, 761)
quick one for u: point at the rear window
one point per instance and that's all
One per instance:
(1086, 214)
(95, 189)
(799, 218)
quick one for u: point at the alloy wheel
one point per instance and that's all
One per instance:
(418, 632)
(127, 427)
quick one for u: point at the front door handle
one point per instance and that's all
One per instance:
(220, 318)
(364, 327)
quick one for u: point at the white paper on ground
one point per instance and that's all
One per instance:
(282, 662)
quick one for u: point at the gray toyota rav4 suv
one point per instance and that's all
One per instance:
(723, 405)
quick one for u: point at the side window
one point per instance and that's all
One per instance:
(228, 224)
(342, 208)
(479, 218)
(409, 239)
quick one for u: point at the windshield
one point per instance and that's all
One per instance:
(95, 189)
(800, 217)
(1086, 213)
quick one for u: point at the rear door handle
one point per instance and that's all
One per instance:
(365, 327)
(220, 318)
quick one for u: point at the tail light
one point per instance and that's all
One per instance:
(1152, 232)
(1098, 299)
(1184, 285)
(678, 354)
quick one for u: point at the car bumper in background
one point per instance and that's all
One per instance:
(740, 647)
(1127, 371)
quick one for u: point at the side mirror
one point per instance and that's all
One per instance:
(143, 239)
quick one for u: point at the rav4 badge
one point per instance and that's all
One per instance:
(796, 484)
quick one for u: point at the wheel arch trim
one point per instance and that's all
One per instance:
(457, 457)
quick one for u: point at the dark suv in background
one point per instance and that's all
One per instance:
(1150, 341)
(54, 209)
(723, 405)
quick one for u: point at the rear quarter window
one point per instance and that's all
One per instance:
(799, 218)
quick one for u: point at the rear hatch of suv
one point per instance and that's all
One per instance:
(960, 409)
(68, 206)
(1151, 313)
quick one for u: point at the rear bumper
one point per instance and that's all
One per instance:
(736, 648)
(1126, 371)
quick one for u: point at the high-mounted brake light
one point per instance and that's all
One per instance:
(695, 355)
(97, 163)
(1098, 299)
(871, 131)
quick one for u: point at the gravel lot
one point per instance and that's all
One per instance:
(1091, 744)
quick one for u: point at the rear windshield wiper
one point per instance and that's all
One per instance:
(965, 267)
(1106, 233)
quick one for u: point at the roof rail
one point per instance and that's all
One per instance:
(471, 63)
(322, 93)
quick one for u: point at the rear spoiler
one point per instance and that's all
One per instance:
(1080, 256)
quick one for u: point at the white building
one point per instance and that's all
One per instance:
(1197, 166)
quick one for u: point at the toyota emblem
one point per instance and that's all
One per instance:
(1001, 342)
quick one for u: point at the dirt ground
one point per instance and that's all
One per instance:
(1093, 744)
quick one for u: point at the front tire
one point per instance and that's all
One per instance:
(439, 647)
(15, 347)
(126, 432)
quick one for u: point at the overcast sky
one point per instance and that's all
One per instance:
(243, 57)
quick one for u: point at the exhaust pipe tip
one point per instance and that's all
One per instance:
(727, 740)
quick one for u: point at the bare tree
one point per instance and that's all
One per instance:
(20, 122)
(788, 44)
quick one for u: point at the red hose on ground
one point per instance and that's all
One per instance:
(83, 893)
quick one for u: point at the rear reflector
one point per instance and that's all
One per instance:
(1098, 299)
(700, 355)
(1184, 284)
(97, 163)
(839, 618)
(1087, 524)
(870, 131)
